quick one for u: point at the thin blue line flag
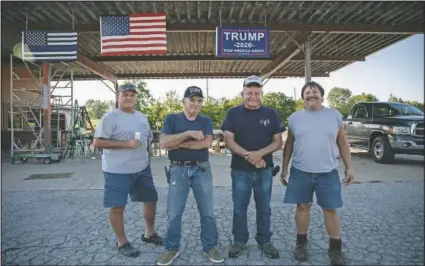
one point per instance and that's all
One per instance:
(49, 46)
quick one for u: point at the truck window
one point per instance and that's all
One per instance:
(360, 112)
(384, 110)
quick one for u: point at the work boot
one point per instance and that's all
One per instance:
(270, 251)
(300, 251)
(236, 250)
(335, 252)
(337, 257)
(214, 255)
(167, 258)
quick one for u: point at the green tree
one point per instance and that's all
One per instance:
(364, 97)
(156, 113)
(97, 108)
(339, 98)
(217, 109)
(213, 109)
(395, 99)
(299, 104)
(416, 104)
(283, 105)
(173, 102)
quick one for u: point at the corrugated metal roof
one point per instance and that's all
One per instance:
(203, 43)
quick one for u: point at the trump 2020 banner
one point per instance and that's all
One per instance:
(242, 42)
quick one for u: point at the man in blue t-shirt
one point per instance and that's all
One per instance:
(188, 136)
(252, 132)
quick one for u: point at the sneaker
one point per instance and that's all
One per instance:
(336, 256)
(127, 250)
(167, 258)
(270, 251)
(300, 252)
(236, 250)
(214, 255)
(154, 239)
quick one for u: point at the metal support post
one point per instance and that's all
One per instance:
(12, 135)
(46, 108)
(307, 60)
(116, 95)
(208, 89)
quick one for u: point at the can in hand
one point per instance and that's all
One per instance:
(137, 135)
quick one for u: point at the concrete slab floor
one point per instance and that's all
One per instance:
(87, 173)
(62, 221)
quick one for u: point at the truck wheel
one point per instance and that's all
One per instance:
(381, 150)
(47, 161)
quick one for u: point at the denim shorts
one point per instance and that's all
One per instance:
(139, 186)
(302, 185)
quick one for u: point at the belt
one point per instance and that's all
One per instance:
(187, 163)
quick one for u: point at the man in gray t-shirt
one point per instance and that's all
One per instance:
(124, 136)
(314, 136)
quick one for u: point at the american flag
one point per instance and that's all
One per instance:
(49, 46)
(133, 34)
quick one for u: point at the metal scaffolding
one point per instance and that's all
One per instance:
(62, 104)
(28, 110)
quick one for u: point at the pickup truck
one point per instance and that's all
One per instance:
(385, 129)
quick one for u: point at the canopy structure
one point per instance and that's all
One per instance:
(307, 39)
(339, 34)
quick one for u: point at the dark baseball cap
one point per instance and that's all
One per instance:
(193, 91)
(253, 80)
(127, 87)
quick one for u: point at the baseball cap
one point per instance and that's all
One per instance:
(253, 80)
(193, 91)
(127, 87)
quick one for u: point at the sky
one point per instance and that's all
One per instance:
(398, 69)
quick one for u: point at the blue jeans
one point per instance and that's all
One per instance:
(302, 185)
(181, 179)
(242, 185)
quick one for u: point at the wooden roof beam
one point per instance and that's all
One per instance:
(211, 27)
(291, 51)
(183, 75)
(95, 68)
(341, 58)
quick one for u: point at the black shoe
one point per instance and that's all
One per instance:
(127, 250)
(300, 251)
(336, 256)
(236, 250)
(270, 251)
(154, 239)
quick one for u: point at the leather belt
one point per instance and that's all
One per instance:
(186, 163)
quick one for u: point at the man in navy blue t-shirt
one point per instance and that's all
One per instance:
(188, 136)
(252, 132)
